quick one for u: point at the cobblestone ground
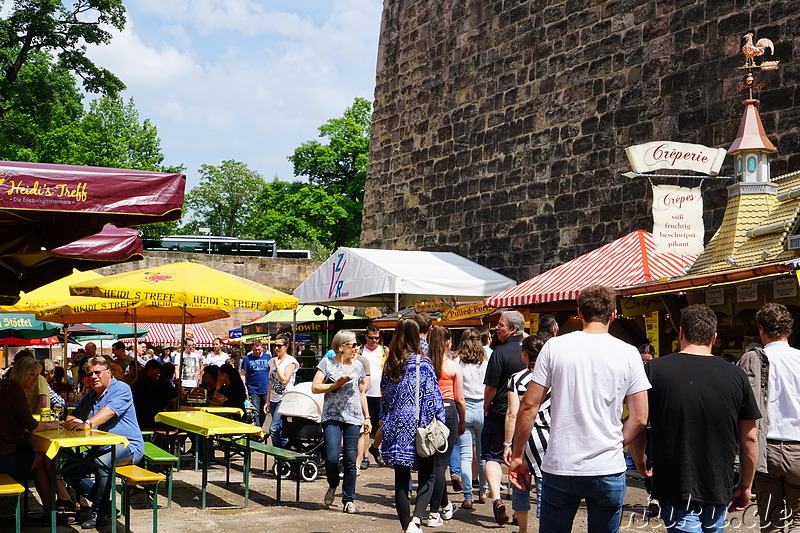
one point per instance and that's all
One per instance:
(309, 515)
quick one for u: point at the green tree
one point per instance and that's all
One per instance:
(50, 99)
(226, 197)
(301, 215)
(111, 134)
(63, 28)
(340, 166)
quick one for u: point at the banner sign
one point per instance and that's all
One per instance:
(433, 306)
(785, 287)
(675, 156)
(469, 310)
(678, 220)
(632, 307)
(746, 292)
(715, 297)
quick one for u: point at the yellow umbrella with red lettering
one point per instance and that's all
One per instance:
(188, 285)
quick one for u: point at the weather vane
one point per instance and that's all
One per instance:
(751, 52)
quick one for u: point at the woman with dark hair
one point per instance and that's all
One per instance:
(17, 457)
(451, 385)
(59, 381)
(230, 391)
(537, 441)
(282, 371)
(473, 360)
(403, 367)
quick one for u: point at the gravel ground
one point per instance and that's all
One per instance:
(374, 500)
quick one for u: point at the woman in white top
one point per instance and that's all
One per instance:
(282, 371)
(473, 361)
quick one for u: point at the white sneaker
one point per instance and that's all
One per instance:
(435, 520)
(330, 494)
(358, 471)
(447, 513)
(350, 508)
(414, 526)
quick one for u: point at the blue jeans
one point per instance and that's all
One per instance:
(276, 425)
(98, 491)
(257, 401)
(691, 518)
(474, 423)
(455, 458)
(561, 496)
(344, 437)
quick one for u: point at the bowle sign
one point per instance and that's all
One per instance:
(675, 156)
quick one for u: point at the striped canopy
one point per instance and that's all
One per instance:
(627, 261)
(163, 334)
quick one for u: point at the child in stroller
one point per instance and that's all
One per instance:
(302, 413)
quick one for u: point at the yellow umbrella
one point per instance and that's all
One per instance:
(79, 309)
(187, 284)
(49, 294)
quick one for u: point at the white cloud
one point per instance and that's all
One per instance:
(229, 80)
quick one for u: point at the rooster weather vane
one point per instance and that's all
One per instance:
(752, 51)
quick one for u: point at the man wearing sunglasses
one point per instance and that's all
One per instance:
(375, 354)
(108, 407)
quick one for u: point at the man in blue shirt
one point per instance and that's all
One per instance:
(255, 373)
(107, 407)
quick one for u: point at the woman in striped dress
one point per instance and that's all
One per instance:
(537, 441)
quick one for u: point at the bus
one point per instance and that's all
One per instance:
(202, 244)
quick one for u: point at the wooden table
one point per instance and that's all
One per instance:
(207, 425)
(52, 442)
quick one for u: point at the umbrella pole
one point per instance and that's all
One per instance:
(135, 347)
(183, 350)
(65, 329)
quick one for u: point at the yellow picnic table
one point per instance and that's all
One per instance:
(53, 441)
(207, 425)
(213, 409)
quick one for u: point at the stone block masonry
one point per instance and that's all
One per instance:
(500, 126)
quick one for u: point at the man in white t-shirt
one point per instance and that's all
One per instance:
(374, 353)
(590, 374)
(216, 356)
(774, 375)
(191, 365)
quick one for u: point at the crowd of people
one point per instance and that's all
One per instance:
(556, 409)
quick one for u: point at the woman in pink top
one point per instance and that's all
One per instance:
(451, 383)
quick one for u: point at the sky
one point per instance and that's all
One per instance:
(249, 80)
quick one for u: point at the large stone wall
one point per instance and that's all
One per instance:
(276, 272)
(500, 125)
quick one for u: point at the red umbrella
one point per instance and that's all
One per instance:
(27, 271)
(45, 206)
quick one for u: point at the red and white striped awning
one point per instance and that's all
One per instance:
(171, 334)
(627, 261)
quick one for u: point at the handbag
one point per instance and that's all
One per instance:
(432, 438)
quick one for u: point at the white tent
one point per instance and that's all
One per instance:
(390, 278)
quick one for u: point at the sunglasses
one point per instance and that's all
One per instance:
(352, 344)
(374, 338)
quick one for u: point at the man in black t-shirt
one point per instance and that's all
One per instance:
(702, 413)
(505, 361)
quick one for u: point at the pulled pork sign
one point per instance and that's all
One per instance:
(659, 155)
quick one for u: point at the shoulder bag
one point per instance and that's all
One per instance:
(432, 438)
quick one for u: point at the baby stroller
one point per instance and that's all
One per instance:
(301, 410)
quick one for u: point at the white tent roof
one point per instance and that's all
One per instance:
(365, 277)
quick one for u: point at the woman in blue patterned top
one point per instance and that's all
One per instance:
(345, 414)
(399, 416)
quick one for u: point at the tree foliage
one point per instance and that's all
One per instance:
(340, 166)
(226, 197)
(111, 134)
(301, 215)
(62, 28)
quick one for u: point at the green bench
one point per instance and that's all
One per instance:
(237, 446)
(153, 455)
(9, 487)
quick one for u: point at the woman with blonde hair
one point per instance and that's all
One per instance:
(17, 457)
(345, 414)
(473, 360)
(403, 369)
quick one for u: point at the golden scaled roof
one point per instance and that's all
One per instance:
(768, 219)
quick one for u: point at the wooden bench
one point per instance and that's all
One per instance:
(153, 455)
(9, 487)
(131, 476)
(236, 446)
